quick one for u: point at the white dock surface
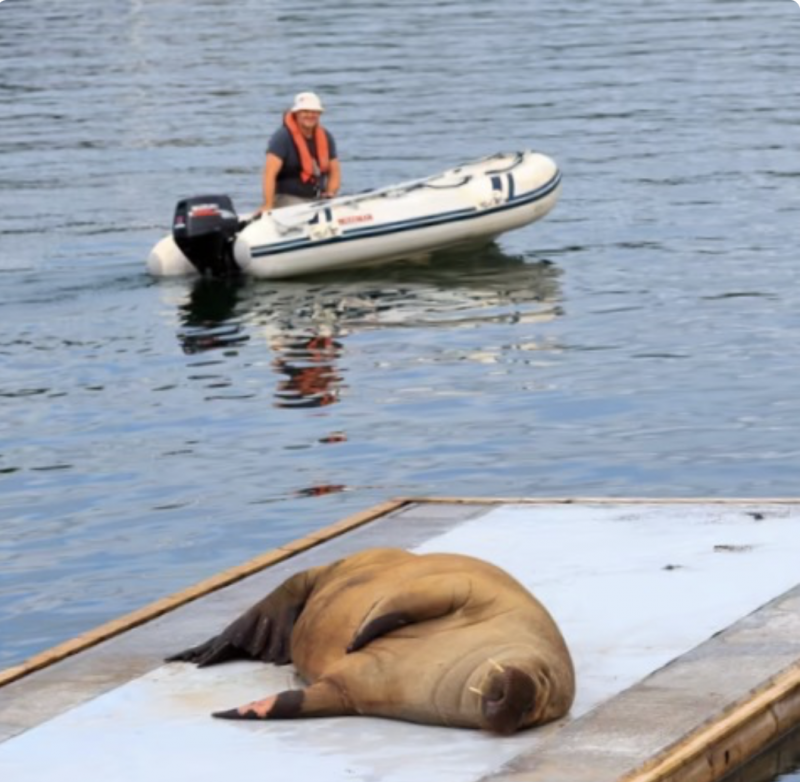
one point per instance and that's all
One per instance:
(631, 586)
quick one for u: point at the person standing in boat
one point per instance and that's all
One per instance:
(301, 163)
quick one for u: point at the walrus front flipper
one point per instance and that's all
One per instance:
(429, 597)
(243, 639)
(263, 632)
(321, 699)
(215, 650)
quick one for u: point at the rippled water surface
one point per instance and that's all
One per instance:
(642, 340)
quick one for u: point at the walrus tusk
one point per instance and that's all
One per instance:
(476, 691)
(497, 665)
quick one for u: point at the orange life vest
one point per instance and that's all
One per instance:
(308, 173)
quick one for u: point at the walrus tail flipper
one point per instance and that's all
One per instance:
(429, 597)
(321, 699)
(263, 632)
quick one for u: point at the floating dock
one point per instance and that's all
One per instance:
(683, 618)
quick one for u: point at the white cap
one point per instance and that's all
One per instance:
(307, 101)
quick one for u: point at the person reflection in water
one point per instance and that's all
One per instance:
(312, 380)
(302, 164)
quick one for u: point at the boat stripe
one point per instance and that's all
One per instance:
(412, 223)
(354, 233)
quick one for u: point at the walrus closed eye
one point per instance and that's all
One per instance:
(442, 639)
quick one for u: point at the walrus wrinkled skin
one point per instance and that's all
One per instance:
(442, 639)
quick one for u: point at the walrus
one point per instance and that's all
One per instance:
(442, 639)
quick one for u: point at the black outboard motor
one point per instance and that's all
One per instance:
(204, 229)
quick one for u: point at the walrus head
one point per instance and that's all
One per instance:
(508, 700)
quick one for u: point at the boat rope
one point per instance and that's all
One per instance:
(518, 158)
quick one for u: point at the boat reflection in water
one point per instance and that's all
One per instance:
(306, 323)
(207, 317)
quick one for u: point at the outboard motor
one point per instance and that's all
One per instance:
(204, 229)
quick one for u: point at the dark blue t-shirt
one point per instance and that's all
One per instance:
(289, 181)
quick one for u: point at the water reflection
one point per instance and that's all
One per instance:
(308, 364)
(321, 490)
(306, 323)
(207, 317)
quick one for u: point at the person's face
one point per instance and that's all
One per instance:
(307, 120)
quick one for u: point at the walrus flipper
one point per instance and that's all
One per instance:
(429, 597)
(321, 699)
(263, 632)
(243, 639)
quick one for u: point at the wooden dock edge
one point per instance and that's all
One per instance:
(730, 739)
(162, 606)
(605, 500)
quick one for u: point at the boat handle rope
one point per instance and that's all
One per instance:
(467, 178)
(401, 191)
(518, 158)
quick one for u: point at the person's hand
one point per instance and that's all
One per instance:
(329, 194)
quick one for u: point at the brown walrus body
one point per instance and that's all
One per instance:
(436, 638)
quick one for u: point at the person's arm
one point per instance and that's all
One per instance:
(272, 167)
(334, 179)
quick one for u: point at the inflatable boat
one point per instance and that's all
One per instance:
(472, 203)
